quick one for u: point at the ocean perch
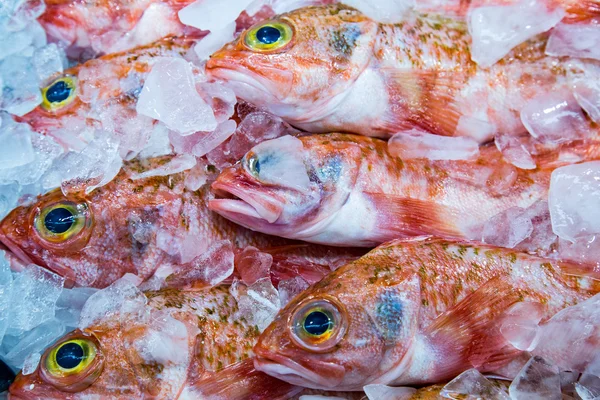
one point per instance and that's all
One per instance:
(414, 312)
(332, 69)
(348, 190)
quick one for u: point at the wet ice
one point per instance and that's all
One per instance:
(537, 380)
(472, 385)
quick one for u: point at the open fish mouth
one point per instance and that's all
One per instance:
(241, 206)
(14, 250)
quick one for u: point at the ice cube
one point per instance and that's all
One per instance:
(555, 118)
(25, 13)
(196, 177)
(21, 91)
(542, 239)
(169, 95)
(221, 98)
(418, 144)
(384, 392)
(514, 151)
(9, 194)
(212, 15)
(70, 303)
(575, 40)
(179, 163)
(31, 363)
(201, 143)
(574, 200)
(34, 295)
(319, 397)
(496, 30)
(253, 264)
(258, 303)
(537, 380)
(35, 340)
(391, 11)
(16, 148)
(6, 288)
(520, 325)
(508, 228)
(585, 250)
(584, 77)
(48, 61)
(472, 385)
(289, 288)
(158, 143)
(214, 41)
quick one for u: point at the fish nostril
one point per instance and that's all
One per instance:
(7, 376)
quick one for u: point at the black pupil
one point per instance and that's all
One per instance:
(255, 165)
(69, 355)
(317, 323)
(59, 220)
(59, 91)
(268, 35)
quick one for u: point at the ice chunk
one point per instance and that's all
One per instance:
(158, 143)
(26, 12)
(537, 380)
(212, 15)
(319, 397)
(31, 362)
(177, 164)
(33, 341)
(48, 61)
(21, 91)
(289, 288)
(201, 143)
(575, 40)
(472, 385)
(390, 11)
(585, 250)
(514, 151)
(253, 264)
(70, 303)
(34, 295)
(508, 228)
(258, 303)
(9, 195)
(419, 144)
(210, 268)
(16, 148)
(214, 41)
(496, 30)
(221, 98)
(555, 118)
(574, 200)
(196, 177)
(169, 95)
(520, 325)
(585, 81)
(479, 130)
(6, 286)
(384, 392)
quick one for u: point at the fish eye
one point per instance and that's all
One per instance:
(60, 93)
(318, 325)
(269, 36)
(59, 222)
(72, 364)
(253, 164)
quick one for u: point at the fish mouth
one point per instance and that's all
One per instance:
(288, 370)
(242, 204)
(14, 250)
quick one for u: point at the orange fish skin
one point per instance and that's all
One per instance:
(211, 341)
(416, 312)
(136, 226)
(342, 72)
(360, 195)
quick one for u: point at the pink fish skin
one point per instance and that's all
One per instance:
(335, 70)
(413, 312)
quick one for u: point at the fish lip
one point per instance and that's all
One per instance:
(233, 206)
(245, 204)
(266, 360)
(15, 250)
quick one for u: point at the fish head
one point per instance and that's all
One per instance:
(342, 333)
(288, 187)
(300, 64)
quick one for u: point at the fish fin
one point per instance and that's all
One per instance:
(426, 99)
(240, 381)
(469, 334)
(581, 10)
(399, 217)
(580, 277)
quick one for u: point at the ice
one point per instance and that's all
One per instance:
(574, 200)
(158, 143)
(34, 295)
(575, 40)
(537, 380)
(9, 195)
(196, 177)
(390, 11)
(383, 392)
(472, 385)
(115, 303)
(514, 151)
(170, 96)
(585, 82)
(201, 143)
(588, 386)
(16, 148)
(253, 264)
(163, 342)
(508, 228)
(542, 240)
(31, 362)
(212, 15)
(585, 250)
(214, 41)
(319, 397)
(179, 163)
(70, 303)
(418, 144)
(26, 12)
(289, 288)
(21, 91)
(481, 131)
(555, 118)
(36, 340)
(496, 30)
(258, 303)
(6, 289)
(220, 98)
(520, 325)
(48, 61)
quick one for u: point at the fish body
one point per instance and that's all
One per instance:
(348, 190)
(135, 224)
(171, 345)
(413, 312)
(339, 71)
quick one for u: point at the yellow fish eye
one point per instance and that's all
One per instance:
(318, 325)
(70, 358)
(269, 36)
(62, 221)
(60, 93)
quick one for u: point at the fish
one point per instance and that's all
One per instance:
(414, 312)
(348, 190)
(144, 219)
(172, 344)
(332, 69)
